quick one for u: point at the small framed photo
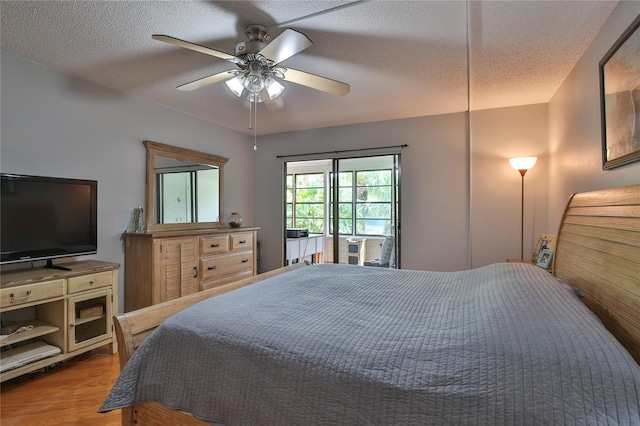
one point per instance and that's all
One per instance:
(545, 242)
(544, 259)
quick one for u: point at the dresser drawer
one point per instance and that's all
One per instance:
(241, 241)
(220, 266)
(214, 244)
(88, 282)
(206, 285)
(22, 294)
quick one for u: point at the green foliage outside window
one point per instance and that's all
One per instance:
(363, 209)
(308, 197)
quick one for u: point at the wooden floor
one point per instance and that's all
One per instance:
(69, 394)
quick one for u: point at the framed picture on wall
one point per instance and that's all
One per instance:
(620, 100)
(544, 259)
(545, 242)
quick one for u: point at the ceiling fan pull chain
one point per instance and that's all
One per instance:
(255, 125)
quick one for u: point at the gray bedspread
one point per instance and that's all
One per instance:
(506, 344)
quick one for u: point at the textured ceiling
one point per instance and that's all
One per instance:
(401, 58)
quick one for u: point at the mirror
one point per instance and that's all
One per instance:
(184, 188)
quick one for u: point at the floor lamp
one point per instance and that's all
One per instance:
(522, 164)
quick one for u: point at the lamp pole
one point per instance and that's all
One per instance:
(522, 164)
(522, 172)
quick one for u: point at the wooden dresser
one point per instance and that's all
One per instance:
(165, 265)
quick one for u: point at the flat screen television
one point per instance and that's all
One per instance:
(43, 218)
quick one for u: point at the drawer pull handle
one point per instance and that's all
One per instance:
(195, 272)
(20, 298)
(209, 268)
(245, 260)
(92, 282)
(215, 245)
(243, 241)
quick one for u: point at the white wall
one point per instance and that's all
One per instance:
(496, 136)
(55, 125)
(575, 142)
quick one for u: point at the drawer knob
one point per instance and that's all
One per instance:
(245, 260)
(20, 298)
(215, 245)
(211, 267)
(243, 241)
(92, 282)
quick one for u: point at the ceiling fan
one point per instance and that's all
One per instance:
(259, 68)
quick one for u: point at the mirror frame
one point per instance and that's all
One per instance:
(156, 148)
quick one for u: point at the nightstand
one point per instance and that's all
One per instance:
(521, 261)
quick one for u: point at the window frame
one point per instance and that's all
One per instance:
(291, 206)
(357, 201)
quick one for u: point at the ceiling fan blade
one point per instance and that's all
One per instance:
(193, 46)
(285, 46)
(205, 81)
(313, 15)
(316, 82)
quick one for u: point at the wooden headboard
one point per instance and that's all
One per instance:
(598, 252)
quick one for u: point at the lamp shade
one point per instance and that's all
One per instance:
(274, 89)
(523, 163)
(236, 85)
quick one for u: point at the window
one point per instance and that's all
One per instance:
(365, 208)
(364, 192)
(373, 202)
(306, 201)
(366, 196)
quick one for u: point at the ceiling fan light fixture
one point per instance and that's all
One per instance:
(278, 72)
(274, 89)
(254, 97)
(254, 81)
(236, 85)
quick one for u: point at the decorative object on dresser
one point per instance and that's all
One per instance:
(137, 224)
(165, 265)
(522, 164)
(67, 309)
(235, 220)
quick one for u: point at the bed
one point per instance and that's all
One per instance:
(508, 343)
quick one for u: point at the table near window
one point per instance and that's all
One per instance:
(310, 247)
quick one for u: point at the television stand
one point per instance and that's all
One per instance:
(50, 265)
(69, 309)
